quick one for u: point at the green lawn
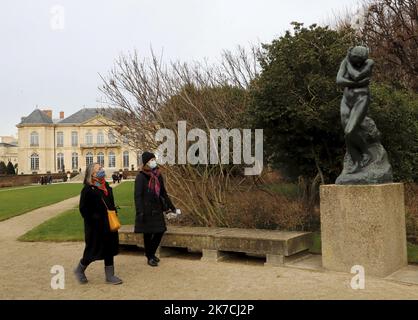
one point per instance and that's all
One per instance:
(68, 226)
(17, 201)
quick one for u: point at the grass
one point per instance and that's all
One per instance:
(412, 248)
(18, 201)
(68, 226)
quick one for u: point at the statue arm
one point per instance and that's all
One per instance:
(341, 80)
(365, 71)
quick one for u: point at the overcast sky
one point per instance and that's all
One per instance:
(55, 63)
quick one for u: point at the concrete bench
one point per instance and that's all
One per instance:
(277, 247)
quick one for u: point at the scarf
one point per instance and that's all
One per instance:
(154, 182)
(101, 184)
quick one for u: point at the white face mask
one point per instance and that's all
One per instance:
(152, 164)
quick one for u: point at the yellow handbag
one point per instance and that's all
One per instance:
(114, 222)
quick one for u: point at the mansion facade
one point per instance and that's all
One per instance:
(8, 150)
(48, 145)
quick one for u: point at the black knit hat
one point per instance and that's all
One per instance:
(147, 156)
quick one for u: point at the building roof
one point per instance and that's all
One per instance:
(36, 117)
(86, 114)
(7, 145)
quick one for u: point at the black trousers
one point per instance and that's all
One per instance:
(151, 243)
(108, 261)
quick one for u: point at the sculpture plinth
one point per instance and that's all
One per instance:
(363, 225)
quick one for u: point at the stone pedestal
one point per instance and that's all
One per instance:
(363, 225)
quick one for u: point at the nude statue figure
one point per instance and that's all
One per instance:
(354, 76)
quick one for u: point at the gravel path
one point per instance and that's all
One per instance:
(25, 273)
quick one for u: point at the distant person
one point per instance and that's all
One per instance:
(50, 179)
(101, 243)
(120, 177)
(114, 178)
(151, 201)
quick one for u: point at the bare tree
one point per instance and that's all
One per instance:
(390, 29)
(146, 95)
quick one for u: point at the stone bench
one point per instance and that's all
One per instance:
(214, 243)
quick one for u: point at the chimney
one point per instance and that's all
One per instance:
(61, 115)
(48, 113)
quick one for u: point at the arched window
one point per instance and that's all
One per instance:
(60, 162)
(89, 158)
(89, 138)
(100, 159)
(100, 137)
(34, 139)
(126, 159)
(34, 162)
(74, 160)
(60, 139)
(112, 159)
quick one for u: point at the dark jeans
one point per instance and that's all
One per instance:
(151, 243)
(108, 261)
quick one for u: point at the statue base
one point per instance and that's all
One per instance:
(363, 225)
(378, 171)
(375, 171)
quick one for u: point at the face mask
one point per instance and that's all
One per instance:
(152, 164)
(101, 174)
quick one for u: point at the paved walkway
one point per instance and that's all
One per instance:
(25, 273)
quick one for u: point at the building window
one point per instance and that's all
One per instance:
(74, 161)
(126, 159)
(34, 139)
(89, 138)
(112, 138)
(100, 158)
(100, 138)
(74, 138)
(60, 139)
(89, 159)
(34, 162)
(60, 162)
(112, 160)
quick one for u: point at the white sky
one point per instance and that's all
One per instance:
(59, 69)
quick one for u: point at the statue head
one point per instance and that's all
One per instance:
(358, 55)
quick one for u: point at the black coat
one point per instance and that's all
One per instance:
(100, 241)
(149, 208)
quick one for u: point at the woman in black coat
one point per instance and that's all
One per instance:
(101, 244)
(151, 201)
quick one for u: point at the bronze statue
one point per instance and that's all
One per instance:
(366, 160)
